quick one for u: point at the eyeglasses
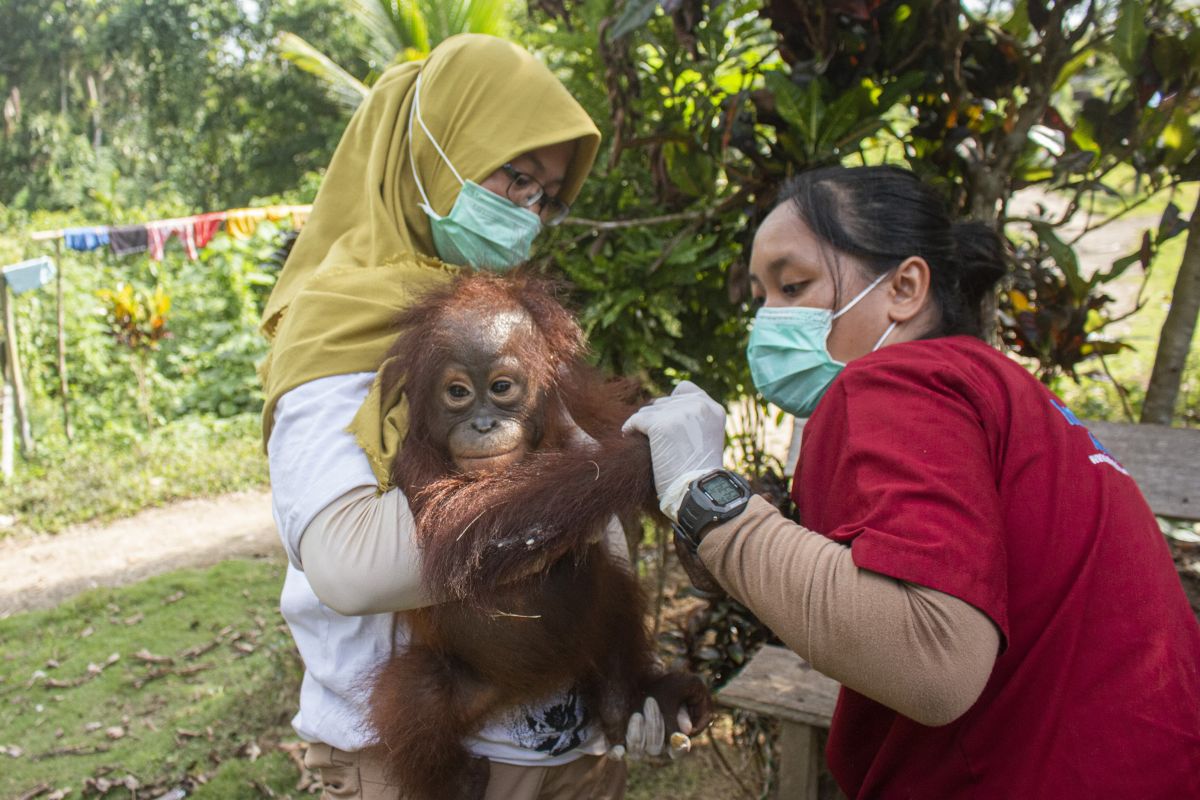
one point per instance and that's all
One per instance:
(527, 191)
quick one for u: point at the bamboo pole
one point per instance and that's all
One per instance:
(13, 359)
(62, 342)
(6, 415)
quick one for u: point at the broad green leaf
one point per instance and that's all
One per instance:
(635, 15)
(1064, 257)
(341, 85)
(1129, 39)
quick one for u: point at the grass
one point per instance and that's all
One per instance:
(82, 704)
(165, 681)
(103, 479)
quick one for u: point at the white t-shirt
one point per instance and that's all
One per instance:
(314, 461)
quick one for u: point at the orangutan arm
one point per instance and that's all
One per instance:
(918, 651)
(360, 555)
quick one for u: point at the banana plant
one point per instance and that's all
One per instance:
(398, 30)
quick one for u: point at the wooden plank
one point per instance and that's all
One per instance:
(13, 369)
(6, 420)
(1164, 461)
(62, 343)
(800, 762)
(778, 683)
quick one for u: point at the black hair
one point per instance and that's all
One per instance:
(882, 215)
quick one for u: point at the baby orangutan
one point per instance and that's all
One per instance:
(514, 464)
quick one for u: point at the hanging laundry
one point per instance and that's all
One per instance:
(85, 238)
(276, 213)
(159, 232)
(128, 239)
(205, 226)
(241, 223)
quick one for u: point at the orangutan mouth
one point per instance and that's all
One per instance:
(490, 462)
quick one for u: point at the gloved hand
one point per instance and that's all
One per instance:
(645, 734)
(687, 437)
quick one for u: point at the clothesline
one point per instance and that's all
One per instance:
(193, 232)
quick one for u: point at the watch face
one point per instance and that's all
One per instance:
(722, 490)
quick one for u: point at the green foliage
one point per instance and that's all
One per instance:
(206, 366)
(709, 106)
(128, 101)
(653, 284)
(117, 474)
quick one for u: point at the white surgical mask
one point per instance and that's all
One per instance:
(789, 353)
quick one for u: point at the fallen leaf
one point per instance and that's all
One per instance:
(150, 658)
(115, 732)
(36, 791)
(92, 726)
(250, 751)
(13, 752)
(86, 632)
(74, 750)
(135, 619)
(175, 598)
(199, 650)
(262, 788)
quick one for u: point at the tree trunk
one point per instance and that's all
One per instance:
(1177, 331)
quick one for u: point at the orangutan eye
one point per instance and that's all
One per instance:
(501, 387)
(458, 391)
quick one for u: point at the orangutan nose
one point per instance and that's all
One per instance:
(483, 424)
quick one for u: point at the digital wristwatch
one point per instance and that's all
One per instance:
(713, 498)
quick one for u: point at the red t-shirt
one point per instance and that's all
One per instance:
(945, 464)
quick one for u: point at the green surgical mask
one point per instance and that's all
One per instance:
(483, 229)
(789, 356)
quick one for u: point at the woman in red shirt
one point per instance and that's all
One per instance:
(983, 577)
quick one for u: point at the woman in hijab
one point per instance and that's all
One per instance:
(441, 150)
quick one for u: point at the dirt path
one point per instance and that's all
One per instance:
(41, 571)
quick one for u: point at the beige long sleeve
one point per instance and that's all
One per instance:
(918, 651)
(360, 554)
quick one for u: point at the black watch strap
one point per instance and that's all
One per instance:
(712, 498)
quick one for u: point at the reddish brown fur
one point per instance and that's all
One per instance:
(577, 616)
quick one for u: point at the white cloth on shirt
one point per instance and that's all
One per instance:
(313, 461)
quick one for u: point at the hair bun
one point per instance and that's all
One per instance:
(981, 257)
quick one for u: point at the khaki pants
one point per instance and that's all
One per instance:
(353, 775)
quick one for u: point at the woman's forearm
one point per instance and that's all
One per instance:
(921, 652)
(360, 554)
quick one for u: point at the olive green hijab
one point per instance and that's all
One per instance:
(367, 252)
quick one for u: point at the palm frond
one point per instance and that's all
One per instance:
(343, 87)
(392, 27)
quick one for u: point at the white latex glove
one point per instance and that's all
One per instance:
(687, 437)
(646, 734)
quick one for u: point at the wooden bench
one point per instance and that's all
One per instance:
(779, 684)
